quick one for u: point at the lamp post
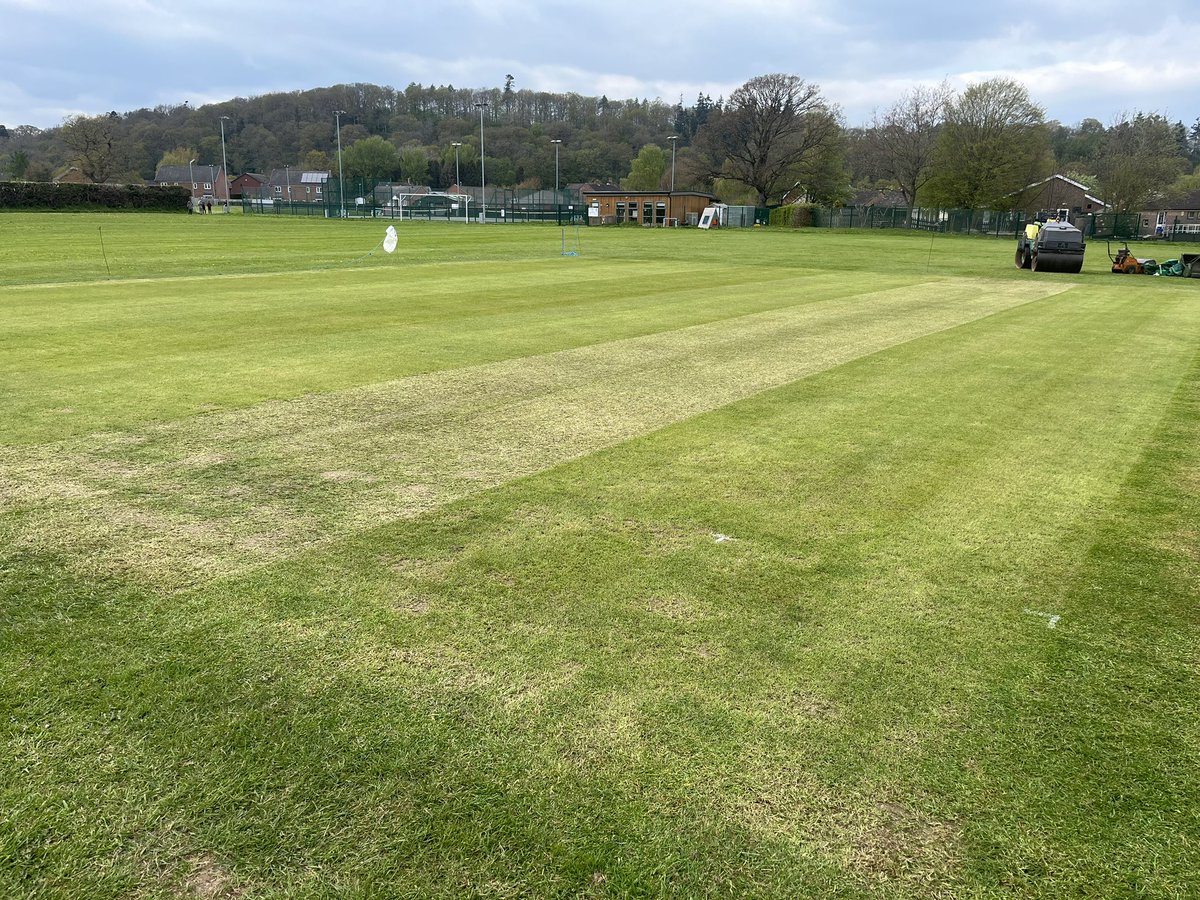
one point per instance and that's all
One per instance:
(481, 106)
(192, 177)
(337, 117)
(224, 164)
(671, 196)
(557, 142)
(457, 179)
(287, 174)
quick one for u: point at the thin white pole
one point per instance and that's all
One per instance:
(337, 113)
(483, 104)
(224, 163)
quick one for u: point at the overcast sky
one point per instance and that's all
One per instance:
(1097, 59)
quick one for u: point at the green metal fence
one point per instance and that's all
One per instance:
(997, 223)
(1112, 225)
(366, 199)
(950, 221)
(745, 216)
(277, 207)
(386, 200)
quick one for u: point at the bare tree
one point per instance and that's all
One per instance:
(92, 140)
(769, 130)
(904, 138)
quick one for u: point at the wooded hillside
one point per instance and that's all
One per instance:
(774, 139)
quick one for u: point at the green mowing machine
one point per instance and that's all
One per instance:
(1187, 266)
(1050, 244)
(1125, 263)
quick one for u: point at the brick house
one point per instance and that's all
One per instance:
(247, 184)
(1173, 216)
(205, 180)
(296, 185)
(1060, 192)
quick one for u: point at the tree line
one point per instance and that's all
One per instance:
(978, 148)
(775, 139)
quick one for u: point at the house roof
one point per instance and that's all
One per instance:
(297, 177)
(872, 197)
(1181, 201)
(396, 187)
(1072, 182)
(71, 176)
(620, 193)
(181, 174)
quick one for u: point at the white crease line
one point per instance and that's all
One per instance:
(1052, 620)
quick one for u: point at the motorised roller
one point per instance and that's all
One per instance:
(1050, 245)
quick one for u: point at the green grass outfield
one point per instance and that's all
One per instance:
(743, 563)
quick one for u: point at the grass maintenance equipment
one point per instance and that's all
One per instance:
(1187, 266)
(1050, 245)
(1125, 263)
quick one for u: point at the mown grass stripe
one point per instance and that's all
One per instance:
(213, 494)
(804, 687)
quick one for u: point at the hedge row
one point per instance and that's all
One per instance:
(43, 195)
(794, 215)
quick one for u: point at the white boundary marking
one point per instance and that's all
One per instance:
(1052, 620)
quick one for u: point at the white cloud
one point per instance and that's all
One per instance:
(125, 54)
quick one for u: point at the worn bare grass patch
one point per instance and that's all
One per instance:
(811, 705)
(659, 538)
(675, 606)
(209, 879)
(888, 841)
(172, 866)
(416, 606)
(885, 843)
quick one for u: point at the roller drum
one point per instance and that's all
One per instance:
(1050, 261)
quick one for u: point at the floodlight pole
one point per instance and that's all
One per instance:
(557, 142)
(287, 174)
(457, 177)
(192, 178)
(337, 117)
(671, 196)
(224, 164)
(481, 106)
